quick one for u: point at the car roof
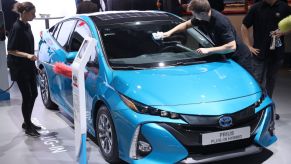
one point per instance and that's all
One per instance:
(114, 17)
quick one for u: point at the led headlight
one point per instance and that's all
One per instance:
(144, 109)
(262, 98)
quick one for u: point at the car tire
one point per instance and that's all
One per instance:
(45, 92)
(106, 135)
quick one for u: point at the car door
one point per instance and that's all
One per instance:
(81, 31)
(59, 53)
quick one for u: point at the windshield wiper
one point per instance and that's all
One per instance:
(184, 47)
(129, 67)
(189, 63)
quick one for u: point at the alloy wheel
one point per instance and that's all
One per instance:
(105, 133)
(44, 88)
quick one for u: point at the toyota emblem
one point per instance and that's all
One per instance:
(225, 121)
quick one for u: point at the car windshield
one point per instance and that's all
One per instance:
(132, 46)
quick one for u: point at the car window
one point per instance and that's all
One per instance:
(81, 31)
(51, 30)
(57, 30)
(64, 33)
(133, 44)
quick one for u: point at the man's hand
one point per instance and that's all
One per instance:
(166, 34)
(203, 51)
(254, 51)
(277, 33)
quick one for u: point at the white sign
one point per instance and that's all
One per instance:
(225, 136)
(86, 50)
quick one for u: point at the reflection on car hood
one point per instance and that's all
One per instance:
(182, 85)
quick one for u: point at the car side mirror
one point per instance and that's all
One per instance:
(71, 56)
(93, 66)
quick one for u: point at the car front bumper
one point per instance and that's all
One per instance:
(172, 143)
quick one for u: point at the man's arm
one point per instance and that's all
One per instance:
(246, 39)
(179, 28)
(224, 49)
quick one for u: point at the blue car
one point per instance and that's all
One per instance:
(152, 100)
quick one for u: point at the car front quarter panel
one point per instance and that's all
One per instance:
(263, 136)
(126, 120)
(161, 141)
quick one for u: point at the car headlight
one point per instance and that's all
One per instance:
(262, 98)
(145, 109)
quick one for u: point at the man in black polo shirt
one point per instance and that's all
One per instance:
(219, 29)
(264, 17)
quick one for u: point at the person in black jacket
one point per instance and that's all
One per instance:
(217, 4)
(174, 6)
(87, 7)
(21, 60)
(9, 16)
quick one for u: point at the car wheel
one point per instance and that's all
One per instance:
(106, 135)
(45, 92)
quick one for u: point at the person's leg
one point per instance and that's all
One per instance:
(28, 89)
(33, 92)
(23, 85)
(273, 66)
(258, 70)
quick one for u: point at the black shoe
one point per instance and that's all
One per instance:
(34, 126)
(277, 116)
(32, 132)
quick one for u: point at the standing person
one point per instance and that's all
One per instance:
(97, 2)
(21, 60)
(264, 17)
(9, 16)
(174, 6)
(219, 29)
(86, 6)
(217, 4)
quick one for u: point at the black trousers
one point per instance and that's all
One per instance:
(28, 87)
(266, 70)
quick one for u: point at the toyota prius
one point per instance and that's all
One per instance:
(152, 100)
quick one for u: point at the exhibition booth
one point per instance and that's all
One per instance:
(113, 87)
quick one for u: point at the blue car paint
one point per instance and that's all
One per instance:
(55, 89)
(155, 87)
(161, 141)
(263, 137)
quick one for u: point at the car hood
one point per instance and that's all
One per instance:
(182, 85)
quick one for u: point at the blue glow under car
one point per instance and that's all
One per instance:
(156, 101)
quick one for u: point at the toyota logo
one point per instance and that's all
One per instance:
(225, 121)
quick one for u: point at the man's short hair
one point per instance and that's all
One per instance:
(199, 6)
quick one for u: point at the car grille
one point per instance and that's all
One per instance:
(191, 135)
(239, 117)
(221, 147)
